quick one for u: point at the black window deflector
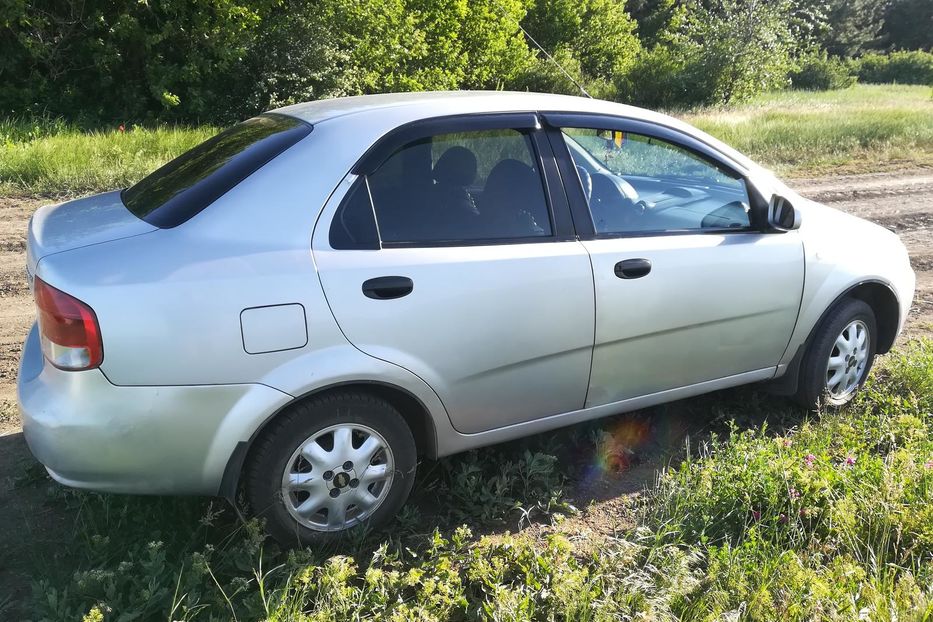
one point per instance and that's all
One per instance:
(423, 128)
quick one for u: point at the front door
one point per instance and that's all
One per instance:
(688, 287)
(455, 259)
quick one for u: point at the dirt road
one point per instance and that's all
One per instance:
(902, 202)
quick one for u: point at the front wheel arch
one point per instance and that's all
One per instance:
(883, 301)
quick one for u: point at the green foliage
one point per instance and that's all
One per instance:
(599, 34)
(721, 52)
(217, 61)
(410, 45)
(908, 25)
(819, 72)
(838, 513)
(63, 57)
(901, 67)
(222, 60)
(656, 19)
(840, 27)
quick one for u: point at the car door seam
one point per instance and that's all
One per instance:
(803, 288)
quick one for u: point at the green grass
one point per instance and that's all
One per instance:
(797, 133)
(865, 128)
(824, 518)
(50, 157)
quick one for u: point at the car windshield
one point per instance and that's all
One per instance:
(185, 186)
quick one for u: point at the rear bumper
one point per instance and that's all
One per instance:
(92, 434)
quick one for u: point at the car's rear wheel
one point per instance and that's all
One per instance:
(839, 357)
(329, 464)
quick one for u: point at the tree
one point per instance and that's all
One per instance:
(722, 51)
(908, 25)
(843, 27)
(598, 34)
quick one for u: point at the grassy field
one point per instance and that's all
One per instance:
(861, 129)
(49, 157)
(779, 516)
(857, 130)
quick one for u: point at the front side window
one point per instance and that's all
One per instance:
(466, 186)
(635, 183)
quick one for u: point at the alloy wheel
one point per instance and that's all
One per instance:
(847, 360)
(338, 477)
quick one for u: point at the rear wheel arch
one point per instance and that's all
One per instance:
(412, 410)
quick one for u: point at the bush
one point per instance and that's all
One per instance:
(821, 73)
(665, 78)
(914, 67)
(718, 54)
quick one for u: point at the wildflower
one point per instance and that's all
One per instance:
(809, 460)
(122, 128)
(786, 442)
(794, 493)
(850, 460)
(929, 464)
(782, 518)
(756, 514)
(804, 512)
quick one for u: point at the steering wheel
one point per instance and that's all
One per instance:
(614, 203)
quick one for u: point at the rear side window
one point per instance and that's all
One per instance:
(189, 183)
(354, 226)
(465, 186)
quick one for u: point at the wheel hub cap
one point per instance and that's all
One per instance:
(847, 360)
(338, 477)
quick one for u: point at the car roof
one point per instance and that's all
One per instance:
(443, 103)
(452, 102)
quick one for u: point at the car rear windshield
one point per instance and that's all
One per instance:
(192, 181)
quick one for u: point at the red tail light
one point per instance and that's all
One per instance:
(68, 329)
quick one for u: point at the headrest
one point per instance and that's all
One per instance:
(455, 167)
(508, 175)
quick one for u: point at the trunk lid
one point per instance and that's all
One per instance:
(82, 222)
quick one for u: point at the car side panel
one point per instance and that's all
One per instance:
(502, 333)
(713, 306)
(841, 252)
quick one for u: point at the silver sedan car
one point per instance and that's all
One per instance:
(309, 301)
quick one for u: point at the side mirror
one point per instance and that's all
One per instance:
(782, 216)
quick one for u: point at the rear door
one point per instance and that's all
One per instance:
(451, 253)
(689, 287)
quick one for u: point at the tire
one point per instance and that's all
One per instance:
(302, 507)
(816, 387)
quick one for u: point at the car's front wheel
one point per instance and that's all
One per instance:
(329, 464)
(839, 357)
